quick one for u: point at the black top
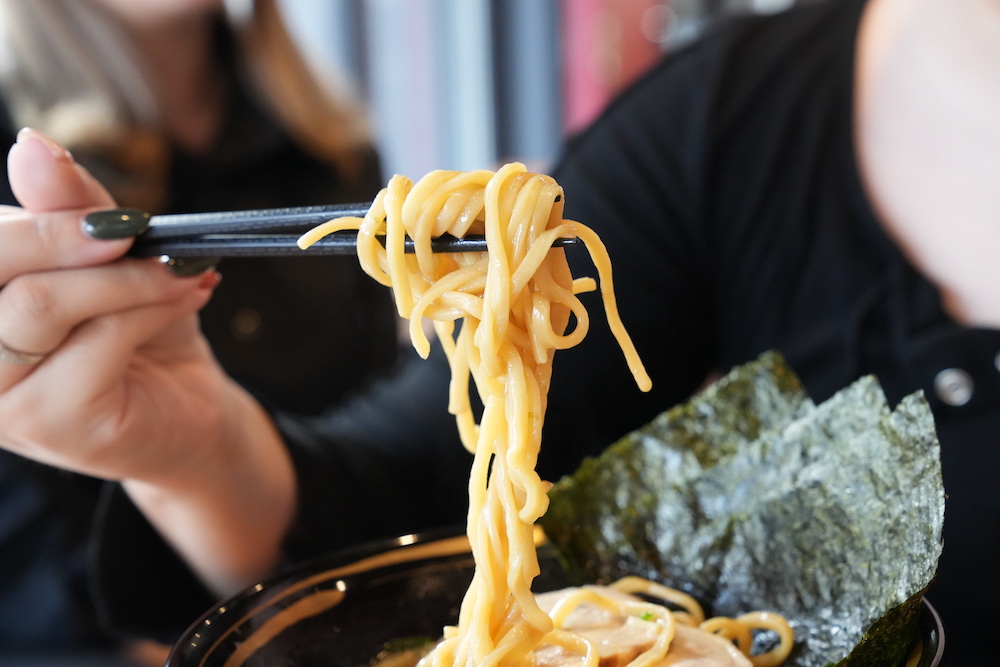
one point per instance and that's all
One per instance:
(725, 185)
(299, 333)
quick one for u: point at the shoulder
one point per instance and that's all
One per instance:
(716, 127)
(738, 65)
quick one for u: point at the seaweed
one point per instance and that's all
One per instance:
(750, 496)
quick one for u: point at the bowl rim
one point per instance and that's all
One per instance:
(303, 574)
(358, 558)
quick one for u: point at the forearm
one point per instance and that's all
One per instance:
(227, 516)
(386, 463)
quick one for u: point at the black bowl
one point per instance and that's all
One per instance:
(341, 610)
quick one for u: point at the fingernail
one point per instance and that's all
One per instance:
(58, 151)
(185, 267)
(210, 280)
(115, 223)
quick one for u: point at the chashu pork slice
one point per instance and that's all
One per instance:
(620, 639)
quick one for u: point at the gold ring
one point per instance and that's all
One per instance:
(12, 356)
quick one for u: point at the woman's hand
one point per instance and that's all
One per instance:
(103, 371)
(101, 337)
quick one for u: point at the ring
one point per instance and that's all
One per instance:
(12, 356)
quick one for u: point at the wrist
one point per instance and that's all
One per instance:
(227, 515)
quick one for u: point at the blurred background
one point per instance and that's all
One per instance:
(467, 84)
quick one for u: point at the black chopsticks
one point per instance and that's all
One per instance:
(268, 233)
(281, 245)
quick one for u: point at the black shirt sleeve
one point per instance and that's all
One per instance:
(385, 464)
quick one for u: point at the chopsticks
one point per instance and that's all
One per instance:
(268, 233)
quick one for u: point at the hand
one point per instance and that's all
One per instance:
(107, 333)
(120, 384)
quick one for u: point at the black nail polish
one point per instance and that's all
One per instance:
(116, 223)
(185, 267)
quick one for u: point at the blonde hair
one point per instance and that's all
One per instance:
(68, 69)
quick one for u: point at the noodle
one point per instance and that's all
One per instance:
(514, 302)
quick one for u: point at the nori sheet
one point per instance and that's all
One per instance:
(751, 497)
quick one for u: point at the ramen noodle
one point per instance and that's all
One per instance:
(514, 303)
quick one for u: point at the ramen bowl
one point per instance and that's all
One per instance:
(344, 609)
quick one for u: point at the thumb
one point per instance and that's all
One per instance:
(44, 177)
